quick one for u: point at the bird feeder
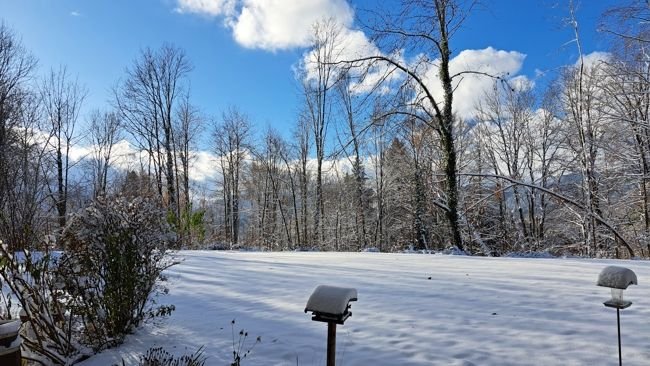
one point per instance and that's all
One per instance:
(617, 279)
(331, 305)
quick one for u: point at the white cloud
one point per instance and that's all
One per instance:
(271, 24)
(75, 13)
(128, 157)
(284, 24)
(125, 156)
(344, 45)
(470, 88)
(207, 7)
(521, 82)
(594, 58)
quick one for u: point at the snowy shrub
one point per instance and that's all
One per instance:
(115, 252)
(51, 333)
(102, 286)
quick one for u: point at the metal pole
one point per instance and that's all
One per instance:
(618, 323)
(331, 344)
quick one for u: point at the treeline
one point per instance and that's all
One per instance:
(376, 158)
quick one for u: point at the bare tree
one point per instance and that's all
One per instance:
(148, 101)
(271, 195)
(16, 68)
(187, 127)
(105, 132)
(628, 94)
(231, 143)
(545, 150)
(303, 147)
(350, 111)
(628, 21)
(319, 77)
(23, 222)
(428, 27)
(378, 161)
(61, 100)
(504, 117)
(585, 113)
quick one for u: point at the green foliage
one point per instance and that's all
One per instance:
(197, 224)
(172, 220)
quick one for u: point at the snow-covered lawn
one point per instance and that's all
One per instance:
(472, 311)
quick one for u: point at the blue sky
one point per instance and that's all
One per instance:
(249, 66)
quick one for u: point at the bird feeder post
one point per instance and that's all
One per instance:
(618, 279)
(331, 344)
(618, 327)
(331, 305)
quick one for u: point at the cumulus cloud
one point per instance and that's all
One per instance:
(271, 24)
(594, 58)
(470, 88)
(343, 44)
(284, 24)
(521, 82)
(470, 66)
(75, 13)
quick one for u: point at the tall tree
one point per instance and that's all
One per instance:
(16, 68)
(61, 100)
(350, 111)
(378, 161)
(504, 116)
(148, 99)
(187, 127)
(584, 111)
(105, 132)
(231, 145)
(319, 77)
(426, 28)
(303, 146)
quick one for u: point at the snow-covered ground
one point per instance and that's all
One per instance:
(472, 311)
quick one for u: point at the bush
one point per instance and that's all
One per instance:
(51, 334)
(116, 250)
(95, 292)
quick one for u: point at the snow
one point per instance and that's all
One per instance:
(414, 310)
(9, 327)
(330, 300)
(15, 344)
(616, 277)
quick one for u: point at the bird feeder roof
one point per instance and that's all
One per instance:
(331, 300)
(617, 277)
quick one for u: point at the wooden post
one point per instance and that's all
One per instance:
(618, 325)
(331, 344)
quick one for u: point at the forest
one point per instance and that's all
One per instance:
(377, 159)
